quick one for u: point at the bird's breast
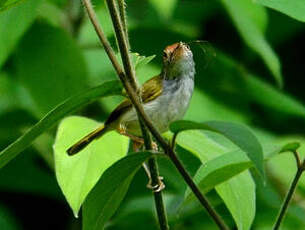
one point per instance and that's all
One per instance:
(172, 104)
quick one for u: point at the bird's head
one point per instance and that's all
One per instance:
(178, 61)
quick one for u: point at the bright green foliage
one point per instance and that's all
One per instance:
(207, 149)
(78, 174)
(238, 134)
(242, 12)
(110, 190)
(224, 167)
(239, 196)
(294, 9)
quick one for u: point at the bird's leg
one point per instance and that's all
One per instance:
(137, 144)
(137, 141)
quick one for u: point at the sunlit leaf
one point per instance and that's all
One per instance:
(224, 167)
(78, 174)
(239, 197)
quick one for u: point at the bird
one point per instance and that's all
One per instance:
(165, 98)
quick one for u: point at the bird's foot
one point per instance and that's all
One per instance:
(157, 187)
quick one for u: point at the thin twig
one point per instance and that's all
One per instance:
(123, 46)
(122, 9)
(292, 188)
(137, 104)
(288, 197)
(154, 175)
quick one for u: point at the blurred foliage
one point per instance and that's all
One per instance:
(49, 52)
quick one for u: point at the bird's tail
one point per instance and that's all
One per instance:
(82, 143)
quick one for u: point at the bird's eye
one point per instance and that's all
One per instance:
(165, 54)
(187, 46)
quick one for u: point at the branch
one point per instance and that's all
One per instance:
(122, 9)
(120, 26)
(130, 87)
(123, 45)
(293, 186)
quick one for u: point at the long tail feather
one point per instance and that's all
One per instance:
(82, 143)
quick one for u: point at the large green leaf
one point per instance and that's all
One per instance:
(107, 89)
(13, 24)
(108, 193)
(207, 149)
(294, 9)
(50, 66)
(238, 134)
(241, 12)
(239, 197)
(78, 174)
(225, 166)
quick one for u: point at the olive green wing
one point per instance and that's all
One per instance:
(150, 90)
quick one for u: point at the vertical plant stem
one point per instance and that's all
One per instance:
(159, 203)
(154, 174)
(123, 47)
(122, 38)
(122, 9)
(288, 197)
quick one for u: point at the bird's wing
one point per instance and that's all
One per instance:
(150, 90)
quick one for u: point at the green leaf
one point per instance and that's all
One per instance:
(291, 147)
(164, 8)
(108, 193)
(241, 12)
(13, 24)
(207, 149)
(224, 167)
(50, 66)
(238, 134)
(72, 104)
(140, 61)
(239, 197)
(78, 174)
(294, 9)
